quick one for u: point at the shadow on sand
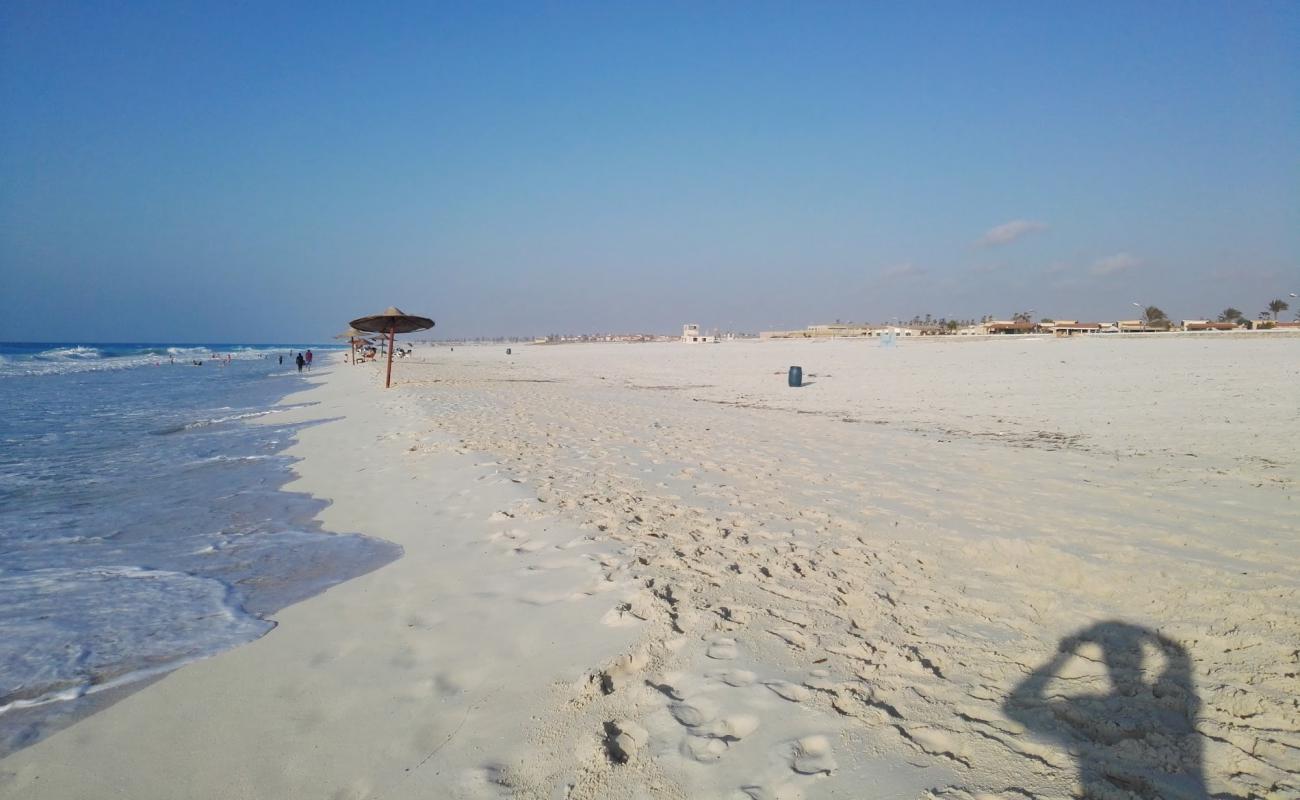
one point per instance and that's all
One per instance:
(1121, 699)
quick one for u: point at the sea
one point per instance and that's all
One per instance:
(143, 519)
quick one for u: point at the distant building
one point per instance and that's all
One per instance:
(1138, 326)
(1010, 326)
(1207, 325)
(838, 330)
(691, 333)
(1070, 327)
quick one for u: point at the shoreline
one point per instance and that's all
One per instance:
(121, 569)
(355, 691)
(661, 570)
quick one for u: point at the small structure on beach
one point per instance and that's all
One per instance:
(691, 333)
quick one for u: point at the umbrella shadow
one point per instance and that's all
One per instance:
(1136, 737)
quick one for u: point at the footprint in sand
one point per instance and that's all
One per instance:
(710, 736)
(703, 749)
(731, 728)
(811, 755)
(623, 738)
(694, 713)
(624, 670)
(722, 649)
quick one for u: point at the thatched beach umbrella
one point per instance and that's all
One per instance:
(392, 322)
(353, 336)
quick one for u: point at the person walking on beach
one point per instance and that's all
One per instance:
(308, 360)
(300, 361)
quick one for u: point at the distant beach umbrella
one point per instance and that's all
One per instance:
(392, 322)
(354, 337)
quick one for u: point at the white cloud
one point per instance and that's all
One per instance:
(1057, 268)
(1009, 232)
(1116, 263)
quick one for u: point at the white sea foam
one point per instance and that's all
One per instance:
(72, 632)
(203, 423)
(77, 352)
(83, 358)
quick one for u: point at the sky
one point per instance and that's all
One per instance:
(269, 171)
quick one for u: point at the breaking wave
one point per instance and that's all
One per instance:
(57, 359)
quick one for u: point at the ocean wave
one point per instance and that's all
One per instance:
(204, 423)
(207, 462)
(73, 632)
(82, 358)
(61, 353)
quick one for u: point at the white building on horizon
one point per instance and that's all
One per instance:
(691, 333)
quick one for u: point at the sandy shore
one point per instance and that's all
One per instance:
(1029, 568)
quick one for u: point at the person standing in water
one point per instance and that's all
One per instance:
(301, 361)
(308, 359)
(282, 359)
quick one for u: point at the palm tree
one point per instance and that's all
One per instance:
(1277, 307)
(1022, 316)
(1153, 315)
(1230, 314)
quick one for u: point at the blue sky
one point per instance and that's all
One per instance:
(268, 171)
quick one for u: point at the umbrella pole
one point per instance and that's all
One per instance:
(392, 331)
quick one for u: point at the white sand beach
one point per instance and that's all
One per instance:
(949, 569)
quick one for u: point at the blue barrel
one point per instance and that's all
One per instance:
(796, 376)
(507, 351)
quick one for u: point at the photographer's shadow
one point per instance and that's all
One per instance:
(1138, 739)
